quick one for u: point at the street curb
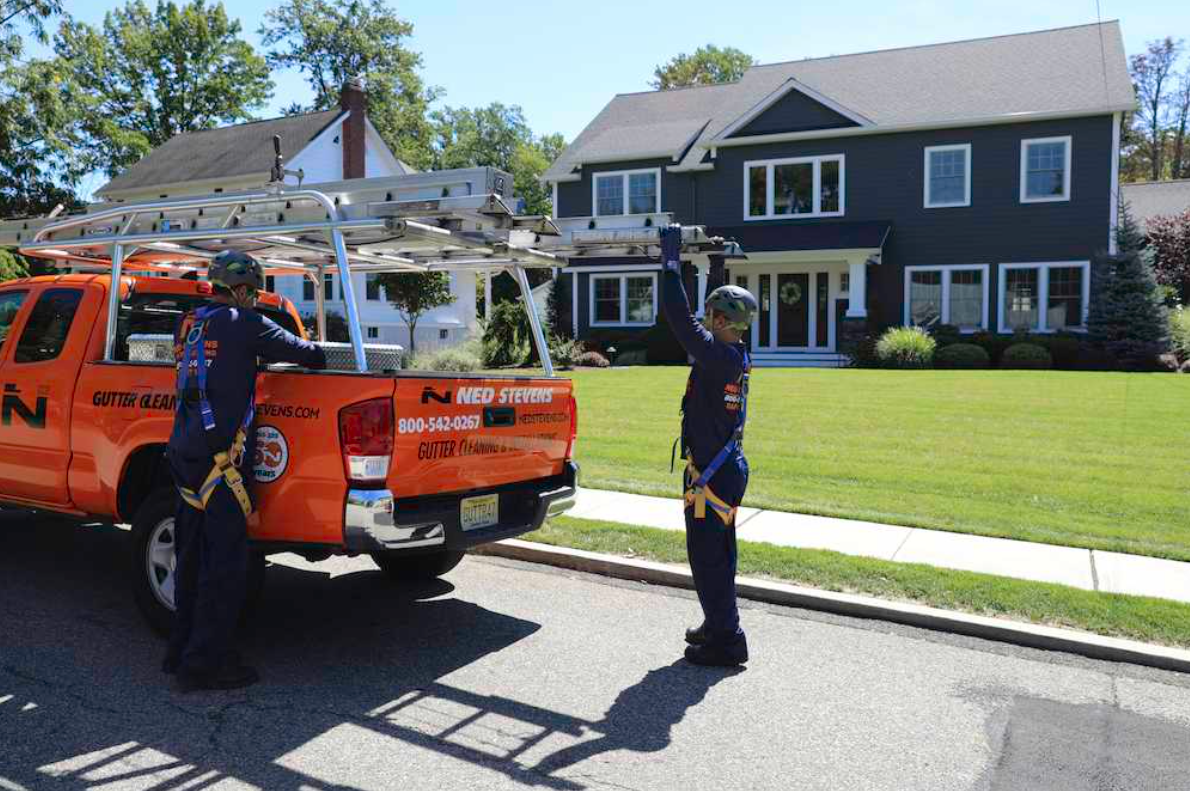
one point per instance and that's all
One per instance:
(1047, 638)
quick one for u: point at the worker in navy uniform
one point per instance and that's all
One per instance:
(210, 454)
(713, 415)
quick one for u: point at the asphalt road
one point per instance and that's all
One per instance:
(509, 676)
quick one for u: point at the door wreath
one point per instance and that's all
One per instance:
(790, 293)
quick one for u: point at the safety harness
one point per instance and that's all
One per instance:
(226, 461)
(698, 491)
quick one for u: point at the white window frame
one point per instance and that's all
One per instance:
(379, 288)
(770, 183)
(1043, 294)
(966, 201)
(623, 280)
(946, 270)
(623, 174)
(1065, 196)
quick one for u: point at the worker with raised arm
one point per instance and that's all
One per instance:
(210, 456)
(713, 415)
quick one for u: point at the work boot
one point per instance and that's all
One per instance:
(234, 676)
(718, 654)
(697, 635)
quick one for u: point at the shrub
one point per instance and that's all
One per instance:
(632, 357)
(1026, 356)
(906, 347)
(592, 360)
(993, 344)
(860, 350)
(946, 335)
(506, 336)
(1180, 320)
(1065, 348)
(460, 359)
(964, 356)
(663, 346)
(563, 351)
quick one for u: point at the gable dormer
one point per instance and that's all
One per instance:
(793, 107)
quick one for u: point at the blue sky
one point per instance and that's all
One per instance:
(563, 61)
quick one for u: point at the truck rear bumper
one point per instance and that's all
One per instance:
(375, 521)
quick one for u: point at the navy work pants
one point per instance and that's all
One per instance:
(211, 580)
(711, 547)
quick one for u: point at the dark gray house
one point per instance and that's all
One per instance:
(966, 184)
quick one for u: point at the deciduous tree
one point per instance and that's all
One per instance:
(706, 66)
(414, 295)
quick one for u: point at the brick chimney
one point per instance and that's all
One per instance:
(353, 99)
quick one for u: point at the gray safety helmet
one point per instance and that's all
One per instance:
(736, 304)
(232, 268)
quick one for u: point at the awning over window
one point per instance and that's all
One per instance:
(775, 237)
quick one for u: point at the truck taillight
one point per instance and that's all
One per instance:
(366, 434)
(573, 428)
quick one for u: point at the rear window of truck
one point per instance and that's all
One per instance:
(158, 314)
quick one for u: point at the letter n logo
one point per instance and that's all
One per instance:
(34, 418)
(430, 393)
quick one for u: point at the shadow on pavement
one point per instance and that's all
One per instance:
(349, 661)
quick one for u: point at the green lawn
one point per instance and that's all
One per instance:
(1133, 617)
(1098, 460)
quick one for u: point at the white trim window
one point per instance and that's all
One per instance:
(1045, 169)
(626, 192)
(372, 292)
(947, 176)
(782, 189)
(628, 300)
(373, 333)
(1045, 297)
(956, 295)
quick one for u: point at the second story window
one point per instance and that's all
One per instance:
(788, 188)
(948, 176)
(1045, 169)
(372, 286)
(627, 192)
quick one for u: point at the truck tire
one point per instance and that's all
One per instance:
(152, 562)
(413, 568)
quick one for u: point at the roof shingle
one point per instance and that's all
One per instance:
(1069, 70)
(224, 152)
(1150, 199)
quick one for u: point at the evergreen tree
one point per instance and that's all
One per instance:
(1129, 236)
(1127, 317)
(557, 307)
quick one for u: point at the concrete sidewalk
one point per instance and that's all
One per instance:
(1110, 572)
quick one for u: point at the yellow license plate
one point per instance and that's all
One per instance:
(477, 512)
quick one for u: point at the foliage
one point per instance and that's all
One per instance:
(558, 306)
(37, 148)
(591, 360)
(415, 294)
(1130, 237)
(332, 41)
(995, 344)
(1169, 238)
(564, 351)
(906, 347)
(707, 66)
(1180, 322)
(146, 76)
(662, 345)
(946, 334)
(12, 266)
(1127, 317)
(497, 136)
(336, 327)
(1154, 78)
(1026, 356)
(1065, 348)
(962, 356)
(464, 358)
(507, 336)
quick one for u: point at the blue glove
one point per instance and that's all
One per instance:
(671, 248)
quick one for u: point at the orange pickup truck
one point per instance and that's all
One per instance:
(412, 469)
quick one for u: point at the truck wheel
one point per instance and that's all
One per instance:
(401, 566)
(153, 562)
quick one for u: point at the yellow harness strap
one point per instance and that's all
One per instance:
(224, 470)
(701, 497)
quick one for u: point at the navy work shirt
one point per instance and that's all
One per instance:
(711, 406)
(235, 338)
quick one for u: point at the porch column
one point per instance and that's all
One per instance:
(703, 275)
(487, 295)
(857, 300)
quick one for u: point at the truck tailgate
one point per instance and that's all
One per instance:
(465, 434)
